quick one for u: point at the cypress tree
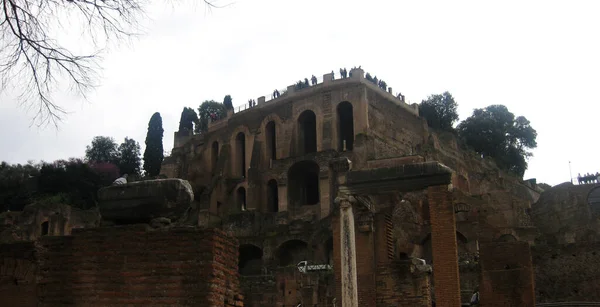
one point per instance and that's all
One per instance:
(153, 155)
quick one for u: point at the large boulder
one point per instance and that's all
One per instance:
(142, 201)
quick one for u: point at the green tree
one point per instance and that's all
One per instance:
(205, 110)
(495, 132)
(129, 157)
(439, 111)
(228, 102)
(103, 149)
(188, 119)
(17, 185)
(154, 155)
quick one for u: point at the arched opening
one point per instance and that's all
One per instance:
(214, 155)
(303, 183)
(45, 228)
(271, 137)
(240, 147)
(241, 198)
(291, 252)
(250, 259)
(594, 201)
(345, 126)
(307, 132)
(272, 196)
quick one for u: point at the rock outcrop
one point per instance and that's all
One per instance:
(143, 201)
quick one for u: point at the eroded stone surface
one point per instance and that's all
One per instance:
(145, 200)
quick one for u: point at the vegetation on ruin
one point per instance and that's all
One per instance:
(154, 154)
(228, 102)
(496, 132)
(125, 156)
(188, 119)
(207, 109)
(440, 111)
(33, 55)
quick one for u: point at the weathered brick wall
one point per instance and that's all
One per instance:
(567, 273)
(132, 266)
(397, 286)
(506, 275)
(18, 269)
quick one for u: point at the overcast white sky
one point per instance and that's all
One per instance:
(539, 58)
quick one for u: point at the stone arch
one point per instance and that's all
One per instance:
(303, 183)
(507, 238)
(272, 196)
(290, 252)
(250, 259)
(345, 126)
(271, 140)
(593, 200)
(240, 155)
(307, 132)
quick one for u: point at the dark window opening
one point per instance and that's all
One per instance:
(291, 252)
(250, 260)
(307, 128)
(345, 126)
(45, 228)
(329, 250)
(303, 183)
(271, 140)
(273, 196)
(240, 145)
(214, 155)
(241, 198)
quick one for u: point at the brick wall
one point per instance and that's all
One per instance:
(506, 275)
(443, 242)
(132, 266)
(567, 273)
(396, 286)
(18, 268)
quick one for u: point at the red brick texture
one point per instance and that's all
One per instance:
(506, 275)
(18, 268)
(131, 266)
(365, 267)
(443, 243)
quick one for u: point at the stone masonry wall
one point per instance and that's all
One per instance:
(133, 266)
(567, 273)
(18, 269)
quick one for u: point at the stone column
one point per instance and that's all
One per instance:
(344, 238)
(443, 243)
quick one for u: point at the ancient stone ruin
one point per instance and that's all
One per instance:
(331, 194)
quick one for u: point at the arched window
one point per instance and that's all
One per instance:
(307, 132)
(214, 155)
(241, 198)
(250, 259)
(594, 201)
(303, 183)
(291, 252)
(45, 228)
(271, 137)
(345, 120)
(272, 196)
(240, 145)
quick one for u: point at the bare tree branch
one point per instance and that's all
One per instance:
(33, 60)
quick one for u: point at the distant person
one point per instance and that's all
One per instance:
(475, 298)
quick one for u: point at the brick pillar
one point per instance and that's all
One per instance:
(365, 259)
(443, 243)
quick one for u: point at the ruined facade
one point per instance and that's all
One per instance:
(270, 176)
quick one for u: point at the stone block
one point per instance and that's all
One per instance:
(145, 200)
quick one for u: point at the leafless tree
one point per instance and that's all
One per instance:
(32, 58)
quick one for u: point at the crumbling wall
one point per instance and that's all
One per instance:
(566, 273)
(401, 283)
(133, 266)
(18, 270)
